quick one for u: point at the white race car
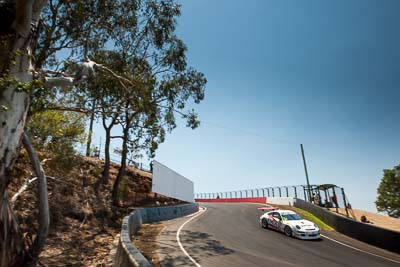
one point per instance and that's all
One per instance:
(290, 223)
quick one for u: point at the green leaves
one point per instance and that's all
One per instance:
(5, 108)
(28, 87)
(388, 199)
(134, 39)
(56, 133)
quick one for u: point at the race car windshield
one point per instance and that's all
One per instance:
(291, 217)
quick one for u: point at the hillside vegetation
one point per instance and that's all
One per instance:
(83, 223)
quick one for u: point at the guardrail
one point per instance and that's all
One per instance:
(127, 254)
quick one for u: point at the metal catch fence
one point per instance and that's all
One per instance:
(326, 195)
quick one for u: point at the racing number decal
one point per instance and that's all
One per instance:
(273, 222)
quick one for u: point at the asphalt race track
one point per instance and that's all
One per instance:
(230, 235)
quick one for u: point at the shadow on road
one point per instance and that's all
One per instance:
(199, 245)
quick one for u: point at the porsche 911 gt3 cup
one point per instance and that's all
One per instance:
(290, 223)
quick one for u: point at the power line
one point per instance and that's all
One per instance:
(279, 140)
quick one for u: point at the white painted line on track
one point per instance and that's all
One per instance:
(200, 212)
(343, 244)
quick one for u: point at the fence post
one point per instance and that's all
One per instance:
(287, 191)
(273, 192)
(335, 200)
(280, 192)
(344, 201)
(295, 191)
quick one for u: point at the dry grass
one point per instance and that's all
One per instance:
(380, 220)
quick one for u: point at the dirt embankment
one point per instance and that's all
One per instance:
(377, 219)
(83, 221)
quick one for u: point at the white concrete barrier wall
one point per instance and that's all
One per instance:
(169, 183)
(281, 200)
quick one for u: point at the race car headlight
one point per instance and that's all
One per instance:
(298, 227)
(316, 226)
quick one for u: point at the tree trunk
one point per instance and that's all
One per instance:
(14, 105)
(11, 244)
(106, 171)
(43, 204)
(89, 141)
(122, 168)
(12, 123)
(13, 110)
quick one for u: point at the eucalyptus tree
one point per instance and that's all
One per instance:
(23, 79)
(16, 78)
(160, 81)
(142, 31)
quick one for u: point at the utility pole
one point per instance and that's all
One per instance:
(305, 169)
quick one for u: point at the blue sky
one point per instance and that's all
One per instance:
(280, 73)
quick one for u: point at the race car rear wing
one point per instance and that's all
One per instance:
(268, 208)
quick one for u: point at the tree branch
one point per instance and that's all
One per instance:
(116, 136)
(82, 73)
(22, 189)
(51, 82)
(79, 110)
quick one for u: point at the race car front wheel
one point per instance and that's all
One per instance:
(288, 231)
(264, 223)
